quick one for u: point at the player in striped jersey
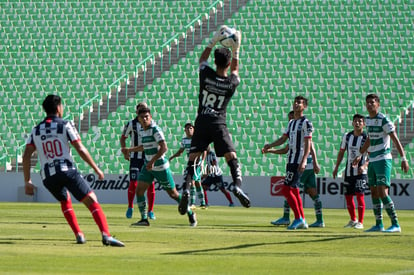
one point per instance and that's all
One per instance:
(380, 130)
(355, 177)
(136, 161)
(196, 183)
(299, 133)
(156, 166)
(51, 138)
(308, 180)
(214, 175)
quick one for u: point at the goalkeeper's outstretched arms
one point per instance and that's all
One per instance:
(216, 38)
(234, 67)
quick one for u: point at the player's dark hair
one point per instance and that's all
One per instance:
(144, 110)
(305, 100)
(51, 103)
(358, 116)
(141, 105)
(188, 124)
(372, 96)
(222, 57)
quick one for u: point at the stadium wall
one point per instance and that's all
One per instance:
(263, 191)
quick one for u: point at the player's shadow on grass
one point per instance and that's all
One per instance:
(243, 246)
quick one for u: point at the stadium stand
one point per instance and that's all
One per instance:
(333, 52)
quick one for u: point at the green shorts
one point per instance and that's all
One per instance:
(308, 179)
(379, 173)
(164, 178)
(197, 174)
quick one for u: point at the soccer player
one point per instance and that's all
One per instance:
(156, 166)
(196, 182)
(216, 90)
(299, 133)
(214, 175)
(355, 177)
(380, 129)
(308, 180)
(136, 161)
(51, 138)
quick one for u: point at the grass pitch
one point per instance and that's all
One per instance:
(35, 239)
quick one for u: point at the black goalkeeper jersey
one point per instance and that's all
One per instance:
(215, 94)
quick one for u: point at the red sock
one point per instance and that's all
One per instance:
(350, 204)
(70, 216)
(151, 197)
(296, 193)
(227, 194)
(361, 207)
(291, 199)
(131, 192)
(205, 194)
(99, 217)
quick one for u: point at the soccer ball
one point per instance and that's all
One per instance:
(229, 36)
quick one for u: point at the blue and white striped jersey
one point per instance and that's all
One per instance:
(296, 131)
(352, 144)
(51, 138)
(131, 129)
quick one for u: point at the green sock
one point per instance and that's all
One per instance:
(192, 195)
(389, 207)
(200, 195)
(142, 206)
(286, 210)
(377, 208)
(317, 203)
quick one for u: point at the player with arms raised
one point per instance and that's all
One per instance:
(216, 90)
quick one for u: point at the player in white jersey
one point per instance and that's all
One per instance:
(299, 134)
(214, 175)
(196, 186)
(136, 161)
(156, 166)
(51, 138)
(308, 180)
(355, 178)
(380, 130)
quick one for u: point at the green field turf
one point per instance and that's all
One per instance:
(35, 239)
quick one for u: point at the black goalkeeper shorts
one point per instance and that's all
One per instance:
(205, 134)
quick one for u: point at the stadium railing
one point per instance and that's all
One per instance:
(124, 79)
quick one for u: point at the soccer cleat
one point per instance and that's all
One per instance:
(142, 222)
(193, 219)
(243, 198)
(108, 240)
(351, 224)
(282, 221)
(304, 225)
(183, 205)
(151, 215)
(203, 206)
(80, 238)
(375, 228)
(129, 212)
(297, 224)
(317, 224)
(359, 226)
(393, 229)
(231, 204)
(193, 207)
